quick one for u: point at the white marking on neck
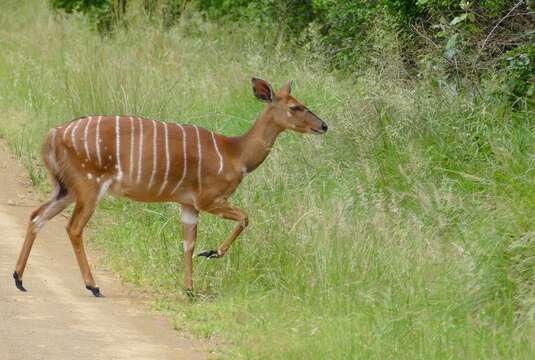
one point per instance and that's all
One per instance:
(199, 153)
(73, 135)
(243, 170)
(86, 145)
(140, 155)
(97, 141)
(118, 148)
(104, 188)
(164, 184)
(67, 130)
(154, 153)
(184, 150)
(189, 216)
(131, 164)
(218, 154)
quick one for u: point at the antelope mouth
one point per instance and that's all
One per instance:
(318, 131)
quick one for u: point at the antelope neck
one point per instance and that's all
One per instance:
(256, 144)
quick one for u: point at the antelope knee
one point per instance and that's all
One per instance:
(73, 232)
(189, 246)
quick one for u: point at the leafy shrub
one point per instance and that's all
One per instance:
(344, 28)
(519, 69)
(99, 12)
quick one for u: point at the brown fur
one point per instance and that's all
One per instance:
(78, 176)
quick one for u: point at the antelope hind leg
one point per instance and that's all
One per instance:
(38, 219)
(82, 213)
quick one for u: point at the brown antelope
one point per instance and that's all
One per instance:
(152, 161)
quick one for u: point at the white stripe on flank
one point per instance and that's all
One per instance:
(218, 154)
(140, 155)
(131, 164)
(199, 165)
(118, 148)
(67, 130)
(97, 141)
(154, 153)
(164, 184)
(86, 146)
(185, 169)
(73, 135)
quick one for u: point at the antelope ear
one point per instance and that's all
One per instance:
(286, 89)
(262, 90)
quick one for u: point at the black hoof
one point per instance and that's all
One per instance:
(18, 282)
(95, 290)
(210, 254)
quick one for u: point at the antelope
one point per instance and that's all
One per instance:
(151, 161)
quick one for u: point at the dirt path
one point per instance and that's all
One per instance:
(57, 318)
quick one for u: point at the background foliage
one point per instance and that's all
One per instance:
(462, 39)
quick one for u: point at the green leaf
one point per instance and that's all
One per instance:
(452, 42)
(458, 19)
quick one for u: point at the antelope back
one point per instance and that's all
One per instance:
(141, 158)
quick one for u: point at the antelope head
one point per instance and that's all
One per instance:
(286, 111)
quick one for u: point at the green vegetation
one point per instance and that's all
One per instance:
(407, 231)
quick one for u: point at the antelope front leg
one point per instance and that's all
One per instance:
(189, 233)
(227, 211)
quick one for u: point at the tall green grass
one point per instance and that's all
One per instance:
(407, 231)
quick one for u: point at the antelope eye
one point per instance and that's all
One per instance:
(296, 108)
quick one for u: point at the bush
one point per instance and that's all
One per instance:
(101, 13)
(519, 72)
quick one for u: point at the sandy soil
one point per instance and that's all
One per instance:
(58, 318)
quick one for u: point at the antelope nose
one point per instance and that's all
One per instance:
(324, 127)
